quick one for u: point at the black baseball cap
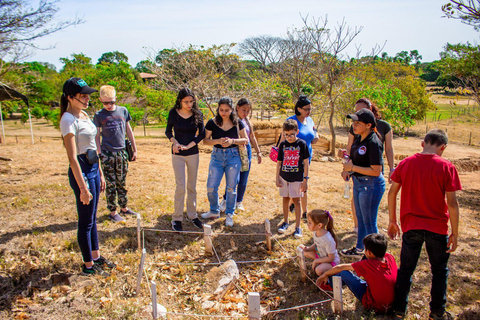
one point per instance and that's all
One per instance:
(364, 115)
(76, 85)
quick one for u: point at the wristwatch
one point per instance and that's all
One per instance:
(306, 177)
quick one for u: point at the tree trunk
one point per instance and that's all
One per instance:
(332, 129)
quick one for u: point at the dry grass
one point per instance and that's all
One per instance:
(38, 240)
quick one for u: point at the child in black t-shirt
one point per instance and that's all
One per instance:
(292, 173)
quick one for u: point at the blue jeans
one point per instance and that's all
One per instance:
(223, 161)
(242, 178)
(436, 244)
(87, 214)
(357, 285)
(367, 193)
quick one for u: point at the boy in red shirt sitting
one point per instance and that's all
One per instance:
(425, 178)
(379, 273)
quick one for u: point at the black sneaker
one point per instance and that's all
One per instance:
(352, 253)
(104, 262)
(445, 316)
(177, 226)
(304, 216)
(197, 223)
(94, 271)
(292, 208)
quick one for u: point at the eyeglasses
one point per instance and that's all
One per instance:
(292, 135)
(109, 102)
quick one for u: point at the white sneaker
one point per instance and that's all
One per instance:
(210, 215)
(229, 220)
(240, 206)
(223, 205)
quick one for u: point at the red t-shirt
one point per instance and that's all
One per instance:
(380, 278)
(425, 178)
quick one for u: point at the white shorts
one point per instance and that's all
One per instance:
(291, 189)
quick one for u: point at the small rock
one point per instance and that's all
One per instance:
(324, 159)
(280, 283)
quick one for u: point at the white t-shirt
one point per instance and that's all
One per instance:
(83, 129)
(326, 245)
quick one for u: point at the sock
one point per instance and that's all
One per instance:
(96, 258)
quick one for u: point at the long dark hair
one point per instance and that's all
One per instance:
(63, 104)
(324, 217)
(233, 114)
(371, 106)
(186, 92)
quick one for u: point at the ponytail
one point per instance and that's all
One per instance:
(63, 104)
(330, 228)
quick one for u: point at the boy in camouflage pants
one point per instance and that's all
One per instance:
(112, 123)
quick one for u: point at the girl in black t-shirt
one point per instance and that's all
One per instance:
(225, 133)
(365, 168)
(186, 121)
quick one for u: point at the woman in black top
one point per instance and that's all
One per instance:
(365, 168)
(225, 133)
(385, 132)
(186, 120)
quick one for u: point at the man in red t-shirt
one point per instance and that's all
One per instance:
(379, 273)
(425, 179)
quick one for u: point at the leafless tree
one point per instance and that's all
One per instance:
(263, 49)
(208, 72)
(21, 24)
(466, 10)
(330, 63)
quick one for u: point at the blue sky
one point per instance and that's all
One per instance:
(132, 26)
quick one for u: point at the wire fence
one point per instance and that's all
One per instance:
(220, 263)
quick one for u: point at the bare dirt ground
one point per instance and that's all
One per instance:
(39, 252)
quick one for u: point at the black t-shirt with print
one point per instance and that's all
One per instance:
(291, 156)
(367, 153)
(218, 132)
(383, 127)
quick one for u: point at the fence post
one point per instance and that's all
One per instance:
(268, 233)
(154, 300)
(140, 270)
(470, 139)
(337, 294)
(254, 305)
(139, 238)
(207, 237)
(303, 268)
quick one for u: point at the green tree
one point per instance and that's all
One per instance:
(393, 104)
(462, 61)
(113, 57)
(37, 112)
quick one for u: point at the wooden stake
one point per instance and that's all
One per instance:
(140, 270)
(207, 237)
(254, 305)
(303, 268)
(268, 232)
(139, 238)
(154, 300)
(337, 294)
(470, 139)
